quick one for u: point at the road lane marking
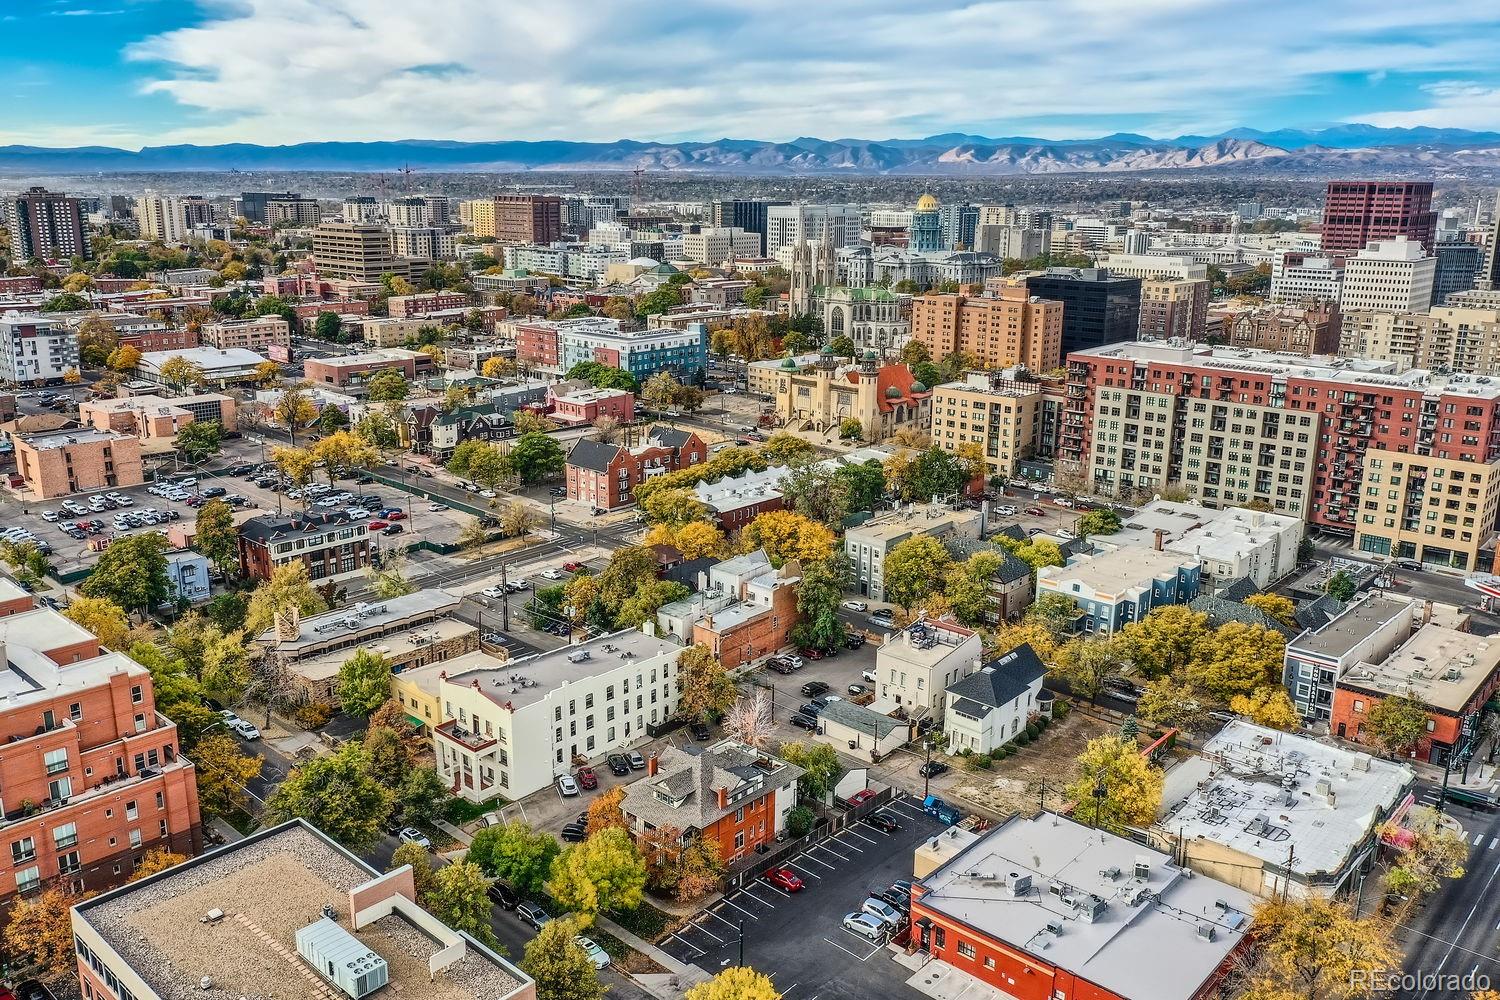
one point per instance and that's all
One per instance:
(1483, 895)
(1478, 839)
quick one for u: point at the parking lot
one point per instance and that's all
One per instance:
(798, 938)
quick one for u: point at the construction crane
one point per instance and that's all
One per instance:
(637, 183)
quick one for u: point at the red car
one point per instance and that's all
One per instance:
(1035, 511)
(860, 798)
(377, 525)
(396, 515)
(813, 654)
(783, 878)
(572, 567)
(587, 779)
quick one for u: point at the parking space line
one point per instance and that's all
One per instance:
(855, 833)
(705, 930)
(817, 861)
(847, 847)
(846, 951)
(731, 923)
(824, 847)
(776, 889)
(793, 864)
(697, 952)
(902, 803)
(727, 901)
(746, 892)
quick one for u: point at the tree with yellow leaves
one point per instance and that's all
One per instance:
(1032, 634)
(605, 811)
(1116, 785)
(497, 367)
(673, 507)
(123, 358)
(1235, 659)
(156, 860)
(103, 617)
(1085, 663)
(1278, 607)
(695, 540)
(295, 409)
(1317, 949)
(786, 535)
(39, 934)
(1167, 703)
(297, 464)
(267, 374)
(1268, 706)
(914, 569)
(970, 456)
(603, 873)
(344, 450)
(738, 982)
(1165, 640)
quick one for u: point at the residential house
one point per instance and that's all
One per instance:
(1123, 586)
(990, 706)
(914, 668)
(331, 546)
(745, 610)
(604, 475)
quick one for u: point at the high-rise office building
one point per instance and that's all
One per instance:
(1394, 275)
(1099, 308)
(47, 225)
(749, 215)
(357, 251)
(1174, 307)
(787, 224)
(517, 219)
(171, 218)
(1459, 264)
(1356, 213)
(251, 205)
(958, 223)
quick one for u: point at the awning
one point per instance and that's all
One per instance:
(415, 721)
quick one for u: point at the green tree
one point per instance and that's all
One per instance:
(420, 859)
(865, 482)
(215, 536)
(704, 687)
(334, 793)
(96, 340)
(1056, 613)
(1341, 587)
(178, 373)
(820, 764)
(328, 327)
(1398, 723)
(818, 597)
(422, 795)
(364, 682)
(663, 299)
(1116, 785)
(332, 419)
(200, 439)
(132, 572)
(561, 968)
(515, 853)
(914, 569)
(603, 873)
(1086, 663)
(1099, 522)
(815, 491)
(387, 384)
(223, 770)
(459, 898)
(536, 457)
(387, 757)
(26, 561)
(783, 447)
(842, 346)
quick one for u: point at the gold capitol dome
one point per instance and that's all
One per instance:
(927, 203)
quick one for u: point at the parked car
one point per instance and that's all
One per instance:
(247, 730)
(493, 593)
(230, 719)
(1410, 565)
(855, 606)
(587, 779)
(573, 567)
(596, 954)
(804, 722)
(392, 529)
(1035, 511)
(502, 895)
(885, 913)
(551, 574)
(491, 819)
(637, 762)
(796, 661)
(700, 732)
(396, 515)
(854, 640)
(49, 515)
(884, 618)
(812, 652)
(411, 835)
(566, 785)
(1062, 501)
(783, 878)
(897, 897)
(881, 821)
(814, 688)
(932, 769)
(534, 915)
(856, 689)
(871, 928)
(618, 765)
(574, 832)
(860, 797)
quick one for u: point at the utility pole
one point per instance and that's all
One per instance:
(504, 601)
(1443, 792)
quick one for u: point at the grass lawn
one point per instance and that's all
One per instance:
(459, 811)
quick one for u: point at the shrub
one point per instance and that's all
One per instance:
(998, 753)
(1043, 721)
(1005, 751)
(1032, 729)
(1022, 738)
(1060, 709)
(981, 762)
(799, 821)
(313, 714)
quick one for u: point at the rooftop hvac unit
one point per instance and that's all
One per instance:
(342, 959)
(1205, 932)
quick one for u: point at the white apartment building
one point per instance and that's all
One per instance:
(37, 349)
(715, 246)
(1297, 275)
(786, 224)
(915, 668)
(868, 544)
(430, 242)
(1229, 544)
(989, 707)
(511, 727)
(1149, 267)
(1012, 241)
(171, 218)
(1394, 275)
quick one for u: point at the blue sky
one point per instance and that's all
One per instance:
(152, 72)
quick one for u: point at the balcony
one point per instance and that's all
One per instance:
(457, 734)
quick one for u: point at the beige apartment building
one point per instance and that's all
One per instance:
(1430, 509)
(359, 251)
(993, 410)
(715, 246)
(58, 463)
(1174, 307)
(1008, 328)
(1465, 341)
(391, 332)
(155, 419)
(251, 334)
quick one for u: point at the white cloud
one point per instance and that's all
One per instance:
(299, 70)
(1452, 104)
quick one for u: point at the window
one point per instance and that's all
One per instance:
(966, 949)
(28, 879)
(56, 761)
(135, 838)
(23, 849)
(1359, 705)
(65, 836)
(75, 711)
(136, 695)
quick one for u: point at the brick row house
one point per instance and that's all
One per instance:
(606, 475)
(329, 545)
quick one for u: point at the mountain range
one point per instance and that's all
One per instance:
(1337, 149)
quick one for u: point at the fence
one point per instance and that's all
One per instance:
(749, 868)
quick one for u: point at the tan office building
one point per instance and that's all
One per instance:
(57, 463)
(1008, 329)
(359, 251)
(251, 334)
(1434, 510)
(1174, 307)
(517, 219)
(990, 409)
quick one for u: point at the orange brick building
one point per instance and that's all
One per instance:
(1012, 328)
(90, 772)
(605, 475)
(57, 463)
(730, 793)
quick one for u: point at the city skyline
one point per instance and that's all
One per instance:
(151, 72)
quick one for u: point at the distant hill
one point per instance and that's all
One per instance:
(1286, 151)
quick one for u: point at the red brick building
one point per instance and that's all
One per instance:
(169, 339)
(1358, 212)
(575, 406)
(605, 475)
(1451, 673)
(91, 772)
(20, 284)
(538, 345)
(339, 307)
(357, 369)
(423, 303)
(330, 545)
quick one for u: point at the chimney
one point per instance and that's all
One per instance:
(1160, 533)
(288, 623)
(723, 797)
(652, 765)
(1426, 611)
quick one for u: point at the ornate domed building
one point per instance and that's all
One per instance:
(926, 226)
(883, 397)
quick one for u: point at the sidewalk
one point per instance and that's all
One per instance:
(672, 985)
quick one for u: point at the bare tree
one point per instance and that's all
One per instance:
(749, 721)
(606, 429)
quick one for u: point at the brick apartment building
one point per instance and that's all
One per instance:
(329, 545)
(730, 794)
(168, 338)
(357, 369)
(575, 406)
(1356, 213)
(519, 219)
(91, 771)
(423, 303)
(1306, 436)
(310, 311)
(154, 418)
(538, 345)
(1311, 327)
(1012, 328)
(57, 463)
(255, 334)
(605, 475)
(1174, 307)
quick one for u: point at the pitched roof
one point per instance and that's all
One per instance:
(1012, 569)
(1238, 590)
(1014, 531)
(1220, 611)
(694, 775)
(267, 527)
(592, 455)
(670, 437)
(1319, 611)
(999, 681)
